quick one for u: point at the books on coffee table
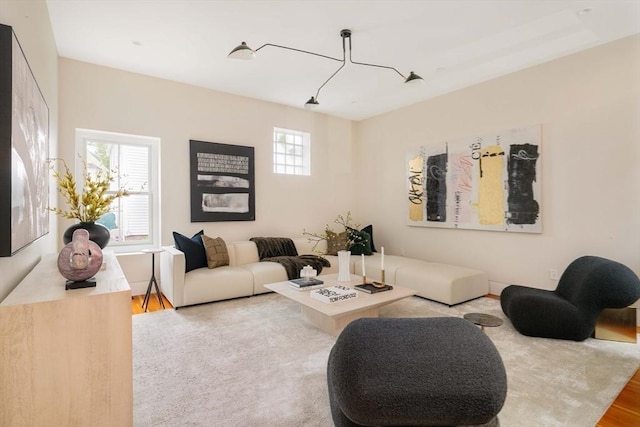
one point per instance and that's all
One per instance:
(306, 288)
(333, 294)
(303, 284)
(370, 289)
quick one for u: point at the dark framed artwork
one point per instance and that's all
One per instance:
(24, 150)
(222, 182)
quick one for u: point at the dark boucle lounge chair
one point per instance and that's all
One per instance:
(415, 372)
(588, 285)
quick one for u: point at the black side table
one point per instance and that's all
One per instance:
(152, 281)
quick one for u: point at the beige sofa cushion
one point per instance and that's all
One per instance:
(246, 252)
(204, 285)
(265, 272)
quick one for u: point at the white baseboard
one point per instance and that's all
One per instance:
(496, 288)
(139, 288)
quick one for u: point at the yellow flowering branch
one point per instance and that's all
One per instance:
(94, 200)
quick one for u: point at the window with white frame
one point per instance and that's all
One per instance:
(134, 221)
(291, 152)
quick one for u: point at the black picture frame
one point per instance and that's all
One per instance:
(222, 182)
(24, 150)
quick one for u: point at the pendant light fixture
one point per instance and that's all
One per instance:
(245, 52)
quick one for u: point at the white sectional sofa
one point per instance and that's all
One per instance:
(246, 275)
(445, 283)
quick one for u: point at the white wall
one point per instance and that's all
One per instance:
(30, 22)
(589, 108)
(100, 98)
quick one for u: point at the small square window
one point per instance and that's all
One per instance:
(291, 152)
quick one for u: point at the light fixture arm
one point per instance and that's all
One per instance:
(327, 81)
(347, 34)
(379, 66)
(344, 61)
(301, 51)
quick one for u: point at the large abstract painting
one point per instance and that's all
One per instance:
(222, 182)
(483, 182)
(24, 145)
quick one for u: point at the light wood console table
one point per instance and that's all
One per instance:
(66, 356)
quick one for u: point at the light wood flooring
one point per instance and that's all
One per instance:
(624, 411)
(154, 305)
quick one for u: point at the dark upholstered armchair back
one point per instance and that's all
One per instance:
(592, 283)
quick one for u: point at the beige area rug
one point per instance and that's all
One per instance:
(255, 362)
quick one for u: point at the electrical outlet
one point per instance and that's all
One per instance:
(553, 274)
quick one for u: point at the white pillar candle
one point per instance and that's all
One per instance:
(363, 272)
(382, 259)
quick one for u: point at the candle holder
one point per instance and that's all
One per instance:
(381, 283)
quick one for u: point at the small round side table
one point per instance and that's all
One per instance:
(152, 281)
(483, 319)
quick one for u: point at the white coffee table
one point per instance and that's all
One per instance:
(332, 318)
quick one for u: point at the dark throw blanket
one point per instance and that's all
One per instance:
(293, 264)
(269, 247)
(282, 250)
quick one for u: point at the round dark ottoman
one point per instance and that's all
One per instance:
(439, 371)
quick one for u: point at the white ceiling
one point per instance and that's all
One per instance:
(450, 43)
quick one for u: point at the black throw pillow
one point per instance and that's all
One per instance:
(369, 229)
(194, 253)
(364, 244)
